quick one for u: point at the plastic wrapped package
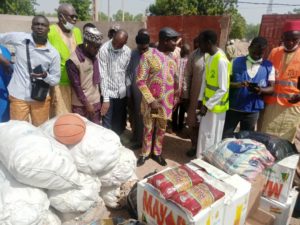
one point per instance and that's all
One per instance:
(98, 151)
(197, 198)
(123, 170)
(278, 147)
(174, 180)
(245, 157)
(21, 204)
(79, 199)
(34, 159)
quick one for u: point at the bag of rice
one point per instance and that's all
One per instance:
(197, 198)
(174, 180)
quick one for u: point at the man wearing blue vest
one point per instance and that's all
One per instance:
(252, 77)
(213, 93)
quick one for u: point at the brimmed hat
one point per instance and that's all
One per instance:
(93, 35)
(168, 32)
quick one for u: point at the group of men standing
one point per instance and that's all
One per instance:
(94, 80)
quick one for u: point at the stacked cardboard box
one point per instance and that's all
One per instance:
(229, 210)
(279, 198)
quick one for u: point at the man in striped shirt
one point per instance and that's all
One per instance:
(114, 57)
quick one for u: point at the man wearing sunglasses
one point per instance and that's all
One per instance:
(64, 36)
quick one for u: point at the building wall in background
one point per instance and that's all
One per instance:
(190, 26)
(271, 28)
(12, 23)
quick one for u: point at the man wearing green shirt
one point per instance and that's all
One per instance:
(64, 36)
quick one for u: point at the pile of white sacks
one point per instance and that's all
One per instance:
(38, 173)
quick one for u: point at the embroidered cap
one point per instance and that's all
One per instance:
(93, 35)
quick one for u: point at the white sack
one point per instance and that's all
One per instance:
(98, 151)
(123, 170)
(76, 200)
(20, 204)
(111, 196)
(34, 159)
(51, 219)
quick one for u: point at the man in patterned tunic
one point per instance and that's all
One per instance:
(157, 82)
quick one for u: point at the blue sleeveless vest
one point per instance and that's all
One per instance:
(240, 98)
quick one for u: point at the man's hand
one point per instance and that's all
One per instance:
(256, 90)
(104, 108)
(154, 107)
(90, 109)
(39, 75)
(154, 104)
(294, 99)
(244, 84)
(203, 110)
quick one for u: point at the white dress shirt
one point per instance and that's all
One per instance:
(113, 70)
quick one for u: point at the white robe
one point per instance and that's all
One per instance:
(212, 124)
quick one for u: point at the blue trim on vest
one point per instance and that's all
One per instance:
(240, 98)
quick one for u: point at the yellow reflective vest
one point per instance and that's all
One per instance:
(212, 84)
(57, 42)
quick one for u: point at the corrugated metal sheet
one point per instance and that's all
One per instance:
(190, 26)
(271, 28)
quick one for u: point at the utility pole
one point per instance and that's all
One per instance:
(108, 10)
(95, 10)
(270, 5)
(122, 10)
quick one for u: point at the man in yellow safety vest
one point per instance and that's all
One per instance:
(214, 92)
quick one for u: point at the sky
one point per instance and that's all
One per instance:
(252, 13)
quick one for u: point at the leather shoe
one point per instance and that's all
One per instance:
(191, 153)
(141, 160)
(159, 159)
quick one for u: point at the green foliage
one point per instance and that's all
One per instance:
(119, 15)
(102, 16)
(127, 16)
(174, 7)
(296, 11)
(18, 7)
(83, 8)
(238, 25)
(191, 7)
(139, 17)
(252, 31)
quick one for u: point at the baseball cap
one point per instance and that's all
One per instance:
(168, 32)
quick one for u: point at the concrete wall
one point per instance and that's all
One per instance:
(10, 23)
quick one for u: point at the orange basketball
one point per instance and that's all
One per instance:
(69, 129)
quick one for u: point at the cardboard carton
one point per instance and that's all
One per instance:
(282, 212)
(280, 179)
(154, 210)
(260, 217)
(236, 203)
(257, 186)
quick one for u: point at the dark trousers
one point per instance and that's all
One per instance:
(178, 117)
(115, 118)
(233, 118)
(135, 115)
